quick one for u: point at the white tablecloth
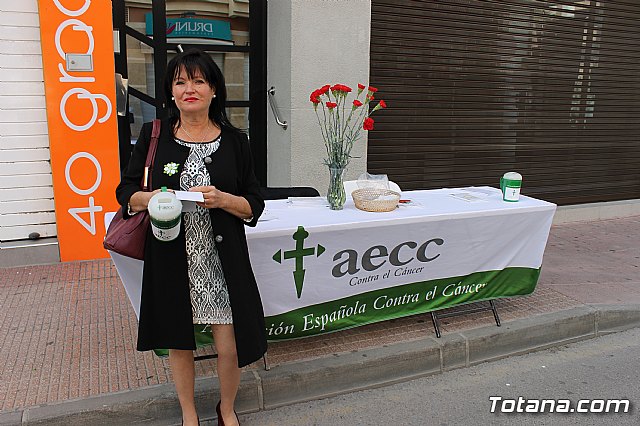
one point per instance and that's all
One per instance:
(445, 247)
(320, 270)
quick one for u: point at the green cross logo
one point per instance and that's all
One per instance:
(298, 254)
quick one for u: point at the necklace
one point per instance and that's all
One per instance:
(204, 133)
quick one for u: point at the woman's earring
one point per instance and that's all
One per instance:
(214, 95)
(173, 98)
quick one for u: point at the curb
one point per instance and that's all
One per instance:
(341, 373)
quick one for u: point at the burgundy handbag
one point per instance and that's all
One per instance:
(127, 236)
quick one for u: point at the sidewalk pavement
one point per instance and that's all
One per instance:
(67, 336)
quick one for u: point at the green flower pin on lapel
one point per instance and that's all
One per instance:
(171, 169)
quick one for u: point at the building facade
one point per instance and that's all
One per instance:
(550, 89)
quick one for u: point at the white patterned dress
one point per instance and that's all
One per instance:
(209, 295)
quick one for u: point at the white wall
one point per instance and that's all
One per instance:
(26, 191)
(312, 43)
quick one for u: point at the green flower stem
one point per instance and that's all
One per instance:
(344, 103)
(324, 137)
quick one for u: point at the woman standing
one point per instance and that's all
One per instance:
(204, 276)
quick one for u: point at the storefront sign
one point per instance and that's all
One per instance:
(193, 28)
(77, 56)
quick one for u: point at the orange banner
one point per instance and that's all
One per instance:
(77, 57)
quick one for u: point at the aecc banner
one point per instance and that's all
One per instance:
(322, 279)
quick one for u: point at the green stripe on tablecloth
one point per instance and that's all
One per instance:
(400, 301)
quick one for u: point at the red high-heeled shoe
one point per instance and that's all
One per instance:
(220, 421)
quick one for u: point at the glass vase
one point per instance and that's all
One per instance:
(336, 195)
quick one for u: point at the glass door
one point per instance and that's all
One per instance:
(151, 32)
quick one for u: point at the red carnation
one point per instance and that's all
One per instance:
(360, 86)
(340, 88)
(357, 103)
(372, 89)
(368, 124)
(383, 104)
(314, 97)
(324, 89)
(331, 105)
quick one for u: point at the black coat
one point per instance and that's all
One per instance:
(166, 320)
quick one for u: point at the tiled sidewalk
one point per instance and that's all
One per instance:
(68, 331)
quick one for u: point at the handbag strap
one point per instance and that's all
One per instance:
(151, 154)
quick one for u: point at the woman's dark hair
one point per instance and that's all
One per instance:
(194, 60)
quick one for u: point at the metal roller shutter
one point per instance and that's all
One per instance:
(550, 89)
